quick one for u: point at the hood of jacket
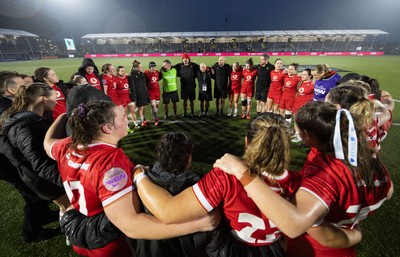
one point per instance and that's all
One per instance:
(88, 62)
(173, 182)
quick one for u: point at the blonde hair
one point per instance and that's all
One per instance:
(321, 68)
(268, 148)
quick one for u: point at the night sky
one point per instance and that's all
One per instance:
(61, 18)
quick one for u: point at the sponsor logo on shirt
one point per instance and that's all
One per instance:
(115, 179)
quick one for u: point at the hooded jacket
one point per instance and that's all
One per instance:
(25, 132)
(86, 62)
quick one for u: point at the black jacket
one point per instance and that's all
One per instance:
(263, 76)
(5, 103)
(138, 88)
(25, 132)
(221, 75)
(187, 74)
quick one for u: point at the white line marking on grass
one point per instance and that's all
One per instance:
(396, 124)
(183, 121)
(396, 100)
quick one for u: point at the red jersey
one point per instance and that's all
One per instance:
(247, 222)
(305, 94)
(330, 180)
(110, 86)
(249, 77)
(153, 88)
(377, 132)
(236, 81)
(123, 91)
(94, 179)
(94, 81)
(61, 105)
(276, 81)
(290, 86)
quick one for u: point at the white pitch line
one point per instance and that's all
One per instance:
(396, 124)
(396, 100)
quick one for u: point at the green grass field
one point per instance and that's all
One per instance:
(212, 138)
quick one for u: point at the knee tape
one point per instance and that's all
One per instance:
(244, 102)
(288, 116)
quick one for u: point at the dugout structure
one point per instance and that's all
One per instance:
(236, 41)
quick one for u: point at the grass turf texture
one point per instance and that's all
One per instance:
(212, 138)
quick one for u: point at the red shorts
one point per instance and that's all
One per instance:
(117, 248)
(235, 91)
(287, 104)
(275, 96)
(247, 90)
(154, 94)
(123, 96)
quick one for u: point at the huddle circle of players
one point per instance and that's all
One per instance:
(274, 89)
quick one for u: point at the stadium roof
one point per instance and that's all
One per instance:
(259, 33)
(19, 33)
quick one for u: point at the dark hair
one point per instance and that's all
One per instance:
(7, 80)
(167, 61)
(374, 84)
(348, 77)
(41, 73)
(250, 62)
(295, 65)
(27, 95)
(86, 121)
(308, 70)
(266, 56)
(173, 151)
(268, 147)
(120, 67)
(135, 65)
(277, 59)
(353, 98)
(319, 119)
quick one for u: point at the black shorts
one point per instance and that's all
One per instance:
(188, 93)
(205, 96)
(261, 95)
(170, 96)
(220, 92)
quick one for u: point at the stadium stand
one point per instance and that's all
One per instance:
(18, 45)
(236, 41)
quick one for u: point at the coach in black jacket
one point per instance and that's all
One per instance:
(221, 71)
(187, 71)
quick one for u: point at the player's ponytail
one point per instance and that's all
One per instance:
(268, 148)
(86, 122)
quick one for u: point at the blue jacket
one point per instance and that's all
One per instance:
(324, 85)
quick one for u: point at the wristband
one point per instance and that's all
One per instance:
(246, 178)
(140, 175)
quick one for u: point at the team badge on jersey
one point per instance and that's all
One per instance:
(115, 179)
